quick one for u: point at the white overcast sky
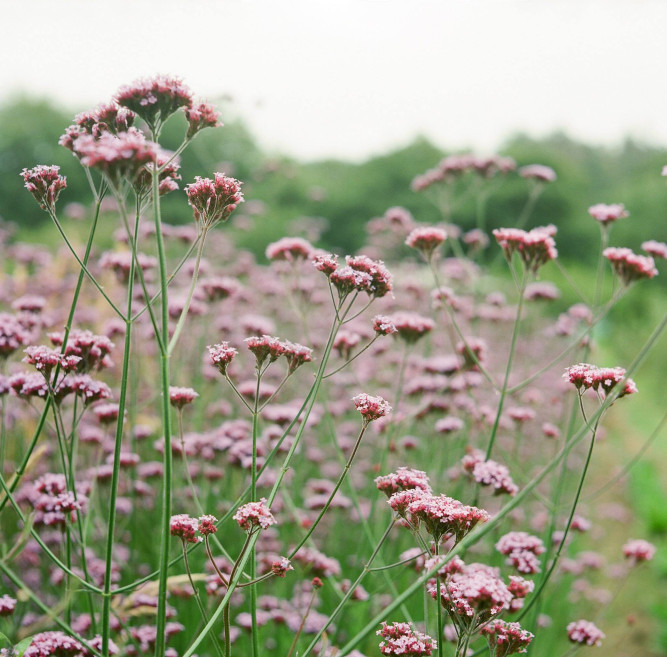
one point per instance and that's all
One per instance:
(350, 78)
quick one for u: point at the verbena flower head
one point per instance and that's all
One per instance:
(538, 172)
(13, 335)
(607, 214)
(179, 397)
(522, 550)
(185, 527)
(371, 408)
(155, 99)
(201, 116)
(638, 550)
(506, 638)
(383, 325)
(222, 355)
(7, 605)
(296, 355)
(207, 525)
(168, 174)
(93, 349)
(411, 326)
(629, 266)
(213, 200)
(290, 249)
(45, 184)
(54, 644)
(280, 567)
(401, 639)
(254, 514)
(119, 157)
(265, 346)
(361, 274)
(46, 360)
(585, 376)
(535, 247)
(426, 240)
(585, 632)
(403, 479)
(327, 263)
(655, 249)
(474, 594)
(445, 516)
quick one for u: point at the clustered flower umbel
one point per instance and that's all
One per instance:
(453, 167)
(487, 472)
(522, 551)
(426, 240)
(585, 376)
(536, 247)
(45, 184)
(254, 514)
(607, 214)
(638, 550)
(585, 632)
(506, 638)
(401, 639)
(629, 266)
(214, 200)
(371, 408)
(186, 528)
(268, 347)
(360, 274)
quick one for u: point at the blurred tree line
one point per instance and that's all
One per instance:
(344, 196)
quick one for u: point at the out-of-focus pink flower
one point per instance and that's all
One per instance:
(629, 266)
(179, 397)
(585, 632)
(607, 214)
(638, 550)
(522, 550)
(655, 249)
(535, 247)
(538, 172)
(290, 249)
(426, 239)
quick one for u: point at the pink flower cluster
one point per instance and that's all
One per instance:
(585, 376)
(45, 360)
(401, 639)
(266, 346)
(13, 334)
(629, 266)
(290, 249)
(371, 408)
(119, 157)
(222, 355)
(638, 550)
(45, 184)
(522, 550)
(538, 172)
(48, 644)
(655, 249)
(454, 166)
(474, 592)
(54, 505)
(489, 473)
(213, 200)
(403, 479)
(411, 326)
(360, 274)
(179, 397)
(7, 605)
(254, 514)
(202, 116)
(535, 247)
(607, 214)
(426, 240)
(383, 325)
(155, 99)
(186, 527)
(441, 516)
(93, 350)
(506, 638)
(585, 632)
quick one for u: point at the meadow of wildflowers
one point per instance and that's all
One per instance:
(379, 453)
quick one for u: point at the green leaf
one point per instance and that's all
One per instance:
(22, 646)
